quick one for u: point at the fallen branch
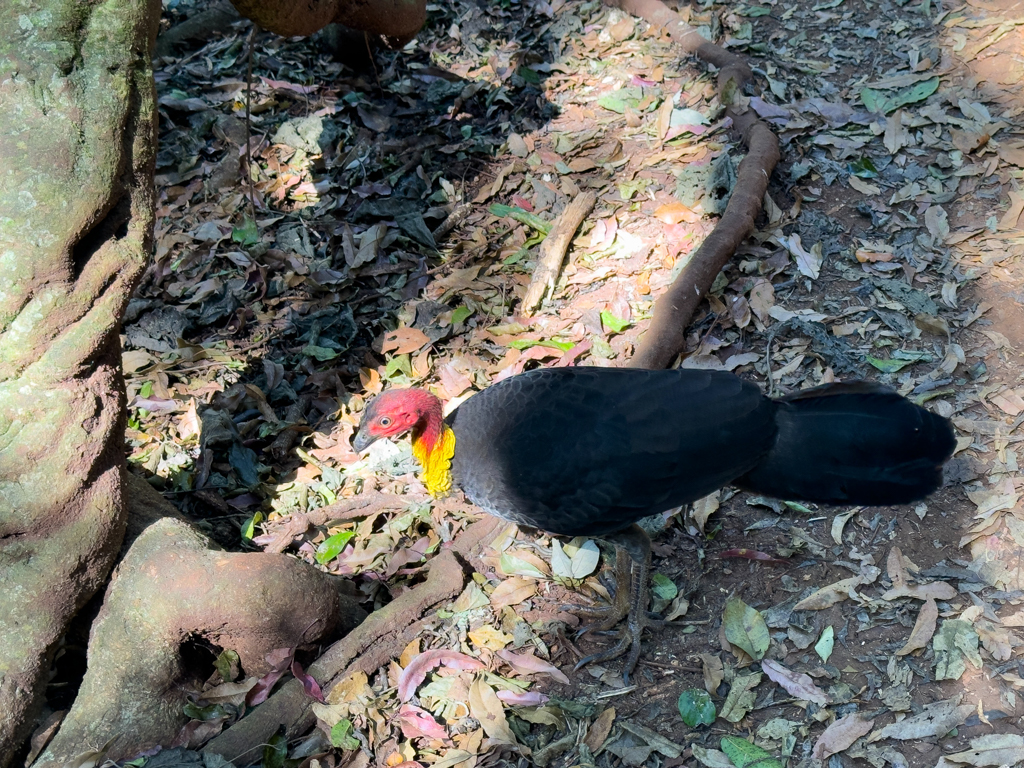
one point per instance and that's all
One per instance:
(665, 338)
(381, 637)
(553, 249)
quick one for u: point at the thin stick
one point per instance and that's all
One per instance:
(553, 249)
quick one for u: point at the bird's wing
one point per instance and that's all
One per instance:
(591, 450)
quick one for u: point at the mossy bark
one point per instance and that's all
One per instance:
(77, 136)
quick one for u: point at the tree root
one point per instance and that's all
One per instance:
(383, 636)
(665, 338)
(172, 590)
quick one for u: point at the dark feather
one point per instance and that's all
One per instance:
(589, 451)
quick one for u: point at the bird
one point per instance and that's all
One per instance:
(589, 451)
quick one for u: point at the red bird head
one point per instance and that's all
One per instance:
(397, 411)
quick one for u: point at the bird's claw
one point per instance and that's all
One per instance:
(629, 638)
(607, 616)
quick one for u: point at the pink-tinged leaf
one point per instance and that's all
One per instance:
(840, 735)
(259, 692)
(155, 404)
(416, 672)
(796, 683)
(284, 85)
(309, 684)
(280, 658)
(527, 663)
(753, 554)
(417, 722)
(524, 699)
(570, 357)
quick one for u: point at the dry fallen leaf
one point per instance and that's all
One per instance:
(486, 708)
(923, 629)
(599, 729)
(840, 735)
(795, 683)
(404, 340)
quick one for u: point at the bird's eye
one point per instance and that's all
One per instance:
(385, 421)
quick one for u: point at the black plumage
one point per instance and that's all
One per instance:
(588, 451)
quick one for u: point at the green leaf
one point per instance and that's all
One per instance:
(612, 103)
(528, 75)
(565, 346)
(663, 587)
(572, 561)
(613, 323)
(888, 366)
(881, 103)
(249, 526)
(825, 643)
(227, 665)
(247, 234)
(206, 714)
(332, 546)
(460, 313)
(742, 753)
(398, 364)
(864, 168)
(275, 752)
(514, 566)
(341, 735)
(745, 628)
(696, 707)
(523, 217)
(320, 353)
(798, 507)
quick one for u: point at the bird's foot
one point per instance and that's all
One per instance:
(607, 616)
(632, 569)
(629, 640)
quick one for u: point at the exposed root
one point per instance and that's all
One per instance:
(665, 339)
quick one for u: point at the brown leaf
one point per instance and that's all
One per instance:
(622, 29)
(675, 213)
(923, 629)
(512, 591)
(795, 683)
(840, 735)
(486, 708)
(598, 732)
(714, 672)
(404, 340)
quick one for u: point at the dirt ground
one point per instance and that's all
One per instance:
(889, 250)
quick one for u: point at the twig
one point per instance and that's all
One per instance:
(553, 249)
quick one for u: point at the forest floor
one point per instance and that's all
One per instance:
(398, 208)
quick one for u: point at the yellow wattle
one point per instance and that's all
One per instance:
(436, 461)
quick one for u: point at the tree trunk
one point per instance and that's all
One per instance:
(78, 140)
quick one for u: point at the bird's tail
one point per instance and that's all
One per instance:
(856, 443)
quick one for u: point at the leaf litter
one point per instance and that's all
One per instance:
(385, 254)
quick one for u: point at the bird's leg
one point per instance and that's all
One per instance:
(607, 616)
(636, 546)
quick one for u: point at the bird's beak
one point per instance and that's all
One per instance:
(362, 440)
